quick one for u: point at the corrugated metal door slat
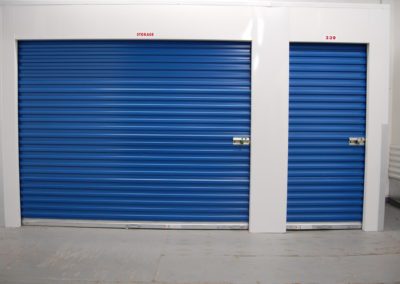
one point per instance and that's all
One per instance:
(134, 130)
(327, 106)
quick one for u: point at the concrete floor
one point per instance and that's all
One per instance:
(76, 255)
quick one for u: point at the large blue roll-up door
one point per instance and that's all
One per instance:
(134, 130)
(327, 106)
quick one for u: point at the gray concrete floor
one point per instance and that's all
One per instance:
(77, 255)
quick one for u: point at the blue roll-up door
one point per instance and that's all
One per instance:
(134, 130)
(327, 107)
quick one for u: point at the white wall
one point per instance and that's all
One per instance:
(1, 171)
(395, 112)
(182, 1)
(396, 75)
(335, 1)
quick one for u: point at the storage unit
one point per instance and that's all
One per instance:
(134, 130)
(326, 130)
(145, 120)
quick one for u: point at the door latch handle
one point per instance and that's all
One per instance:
(356, 141)
(241, 141)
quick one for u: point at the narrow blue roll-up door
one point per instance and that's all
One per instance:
(327, 107)
(134, 130)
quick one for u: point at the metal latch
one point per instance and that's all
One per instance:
(356, 141)
(241, 141)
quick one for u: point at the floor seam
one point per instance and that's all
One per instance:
(154, 279)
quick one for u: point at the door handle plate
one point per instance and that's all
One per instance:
(356, 141)
(241, 141)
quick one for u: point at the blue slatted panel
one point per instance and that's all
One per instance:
(134, 130)
(327, 106)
